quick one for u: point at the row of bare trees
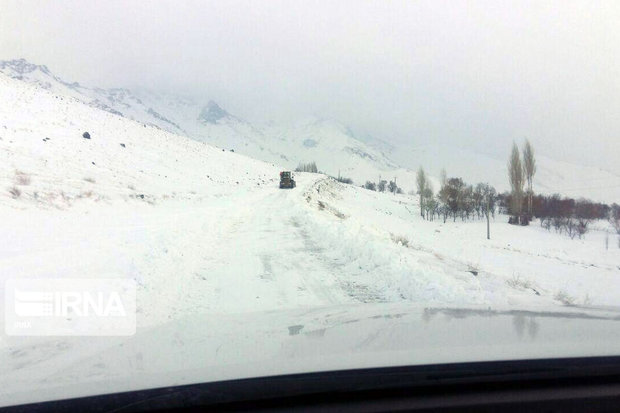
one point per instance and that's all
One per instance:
(565, 215)
(455, 199)
(307, 167)
(383, 186)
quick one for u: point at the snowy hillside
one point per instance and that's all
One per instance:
(328, 143)
(204, 231)
(117, 101)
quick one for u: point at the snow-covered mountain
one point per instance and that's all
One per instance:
(117, 101)
(335, 149)
(332, 145)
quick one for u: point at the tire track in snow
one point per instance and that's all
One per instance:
(256, 257)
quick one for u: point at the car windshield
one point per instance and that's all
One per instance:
(200, 191)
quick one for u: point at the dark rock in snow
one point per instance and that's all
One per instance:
(123, 145)
(86, 135)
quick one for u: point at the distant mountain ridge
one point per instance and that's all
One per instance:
(335, 148)
(330, 144)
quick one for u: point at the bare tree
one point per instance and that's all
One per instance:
(516, 178)
(392, 187)
(453, 193)
(489, 196)
(443, 178)
(382, 185)
(529, 169)
(421, 185)
(429, 200)
(570, 225)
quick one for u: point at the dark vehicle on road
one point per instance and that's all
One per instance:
(286, 180)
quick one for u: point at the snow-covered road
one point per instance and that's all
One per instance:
(247, 252)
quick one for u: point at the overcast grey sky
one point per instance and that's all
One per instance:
(480, 73)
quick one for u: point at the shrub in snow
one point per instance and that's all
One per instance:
(370, 185)
(563, 297)
(86, 135)
(570, 225)
(15, 192)
(518, 283)
(582, 226)
(558, 223)
(545, 222)
(344, 180)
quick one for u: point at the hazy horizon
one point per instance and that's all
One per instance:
(477, 74)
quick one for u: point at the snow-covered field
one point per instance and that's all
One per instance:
(206, 231)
